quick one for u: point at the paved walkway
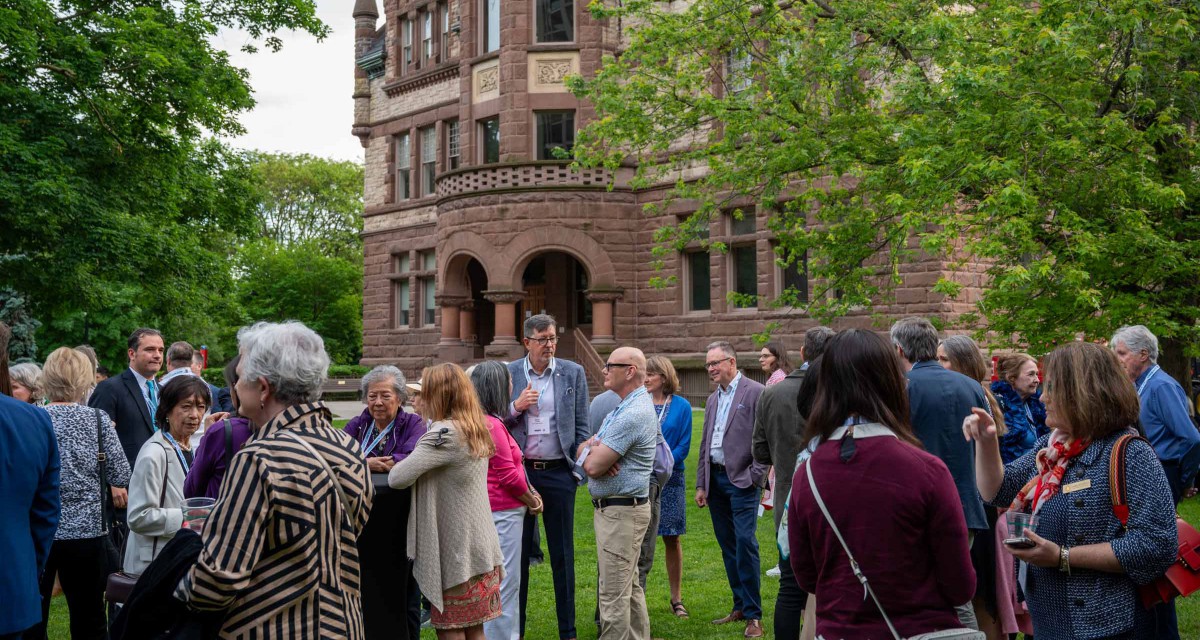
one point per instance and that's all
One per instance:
(345, 409)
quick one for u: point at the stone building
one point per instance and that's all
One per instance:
(471, 224)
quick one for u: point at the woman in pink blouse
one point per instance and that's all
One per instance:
(774, 361)
(508, 490)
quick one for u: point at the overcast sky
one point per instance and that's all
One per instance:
(303, 91)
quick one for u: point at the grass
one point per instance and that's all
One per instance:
(705, 589)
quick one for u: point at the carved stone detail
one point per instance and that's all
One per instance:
(504, 297)
(553, 71)
(489, 80)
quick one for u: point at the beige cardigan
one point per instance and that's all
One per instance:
(451, 536)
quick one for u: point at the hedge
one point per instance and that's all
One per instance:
(216, 375)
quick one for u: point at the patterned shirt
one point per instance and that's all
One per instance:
(78, 446)
(279, 557)
(631, 430)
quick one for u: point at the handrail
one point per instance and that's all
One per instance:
(589, 358)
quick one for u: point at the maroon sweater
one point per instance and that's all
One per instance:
(899, 511)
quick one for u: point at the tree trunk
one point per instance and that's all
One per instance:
(1173, 361)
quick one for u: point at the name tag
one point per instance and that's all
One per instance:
(1077, 486)
(538, 425)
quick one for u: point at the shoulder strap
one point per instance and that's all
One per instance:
(337, 486)
(228, 443)
(1116, 478)
(853, 563)
(162, 495)
(102, 462)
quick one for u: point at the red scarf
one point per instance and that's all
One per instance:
(1051, 466)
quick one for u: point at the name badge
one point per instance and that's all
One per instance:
(1077, 486)
(538, 425)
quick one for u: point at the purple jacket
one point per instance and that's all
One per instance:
(204, 478)
(399, 443)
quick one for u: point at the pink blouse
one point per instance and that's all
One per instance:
(506, 473)
(776, 377)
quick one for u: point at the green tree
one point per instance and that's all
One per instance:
(116, 209)
(14, 312)
(1054, 142)
(309, 200)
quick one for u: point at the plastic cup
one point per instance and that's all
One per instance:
(196, 511)
(1019, 522)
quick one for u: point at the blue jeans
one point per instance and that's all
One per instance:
(734, 514)
(557, 488)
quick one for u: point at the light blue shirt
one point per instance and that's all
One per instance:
(724, 404)
(631, 430)
(1165, 415)
(146, 392)
(539, 446)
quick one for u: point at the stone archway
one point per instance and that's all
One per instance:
(468, 317)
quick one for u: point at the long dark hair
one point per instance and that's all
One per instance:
(777, 349)
(860, 374)
(231, 380)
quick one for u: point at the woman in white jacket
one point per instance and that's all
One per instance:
(156, 487)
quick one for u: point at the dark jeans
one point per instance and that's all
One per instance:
(646, 559)
(557, 488)
(82, 567)
(789, 604)
(734, 515)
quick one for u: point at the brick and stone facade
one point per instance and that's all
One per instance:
(457, 254)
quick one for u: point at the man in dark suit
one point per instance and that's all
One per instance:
(939, 399)
(29, 468)
(549, 421)
(728, 481)
(778, 438)
(132, 397)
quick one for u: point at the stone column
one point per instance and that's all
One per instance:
(505, 344)
(602, 316)
(450, 305)
(466, 323)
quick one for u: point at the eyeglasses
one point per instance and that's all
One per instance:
(764, 356)
(712, 364)
(610, 365)
(544, 341)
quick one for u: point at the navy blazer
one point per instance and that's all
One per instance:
(570, 407)
(939, 399)
(28, 510)
(743, 471)
(121, 398)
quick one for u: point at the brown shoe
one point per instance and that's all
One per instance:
(754, 629)
(733, 616)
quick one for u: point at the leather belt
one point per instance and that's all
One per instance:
(542, 465)
(619, 501)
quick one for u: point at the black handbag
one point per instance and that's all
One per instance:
(114, 550)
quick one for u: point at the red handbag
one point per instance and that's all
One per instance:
(1183, 577)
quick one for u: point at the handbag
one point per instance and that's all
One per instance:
(113, 555)
(664, 460)
(1182, 578)
(946, 634)
(120, 584)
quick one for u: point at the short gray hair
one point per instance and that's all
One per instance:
(724, 346)
(381, 373)
(1138, 338)
(815, 340)
(289, 355)
(539, 322)
(916, 337)
(491, 379)
(28, 375)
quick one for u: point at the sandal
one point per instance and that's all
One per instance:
(678, 609)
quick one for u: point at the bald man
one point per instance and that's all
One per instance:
(619, 460)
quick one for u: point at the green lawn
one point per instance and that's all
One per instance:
(705, 590)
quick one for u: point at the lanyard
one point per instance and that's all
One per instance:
(178, 452)
(1029, 413)
(541, 386)
(663, 416)
(379, 438)
(640, 391)
(1147, 380)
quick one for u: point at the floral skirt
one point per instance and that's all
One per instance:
(469, 604)
(672, 519)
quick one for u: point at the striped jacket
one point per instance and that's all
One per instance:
(279, 557)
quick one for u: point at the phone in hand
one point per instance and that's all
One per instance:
(1020, 543)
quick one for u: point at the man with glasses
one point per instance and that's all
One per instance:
(549, 420)
(728, 480)
(619, 460)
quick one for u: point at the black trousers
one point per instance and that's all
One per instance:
(82, 567)
(557, 487)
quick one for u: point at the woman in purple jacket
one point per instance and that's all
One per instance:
(384, 431)
(221, 440)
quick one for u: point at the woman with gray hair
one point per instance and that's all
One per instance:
(280, 556)
(509, 491)
(25, 377)
(384, 431)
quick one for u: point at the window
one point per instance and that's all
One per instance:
(428, 261)
(737, 72)
(745, 274)
(698, 280)
(403, 292)
(403, 168)
(490, 135)
(427, 37)
(555, 20)
(555, 129)
(743, 227)
(407, 36)
(428, 160)
(795, 276)
(445, 22)
(453, 158)
(491, 25)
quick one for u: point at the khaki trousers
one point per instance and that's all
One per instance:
(619, 533)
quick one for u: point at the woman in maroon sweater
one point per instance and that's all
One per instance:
(895, 504)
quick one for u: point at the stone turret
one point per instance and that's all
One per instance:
(366, 13)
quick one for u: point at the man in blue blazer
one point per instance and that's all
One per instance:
(132, 397)
(728, 480)
(939, 399)
(29, 508)
(549, 421)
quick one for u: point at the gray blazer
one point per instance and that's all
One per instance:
(779, 434)
(741, 467)
(570, 407)
(149, 520)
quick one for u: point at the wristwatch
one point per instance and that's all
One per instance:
(1064, 559)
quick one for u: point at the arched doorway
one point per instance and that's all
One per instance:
(478, 315)
(556, 283)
